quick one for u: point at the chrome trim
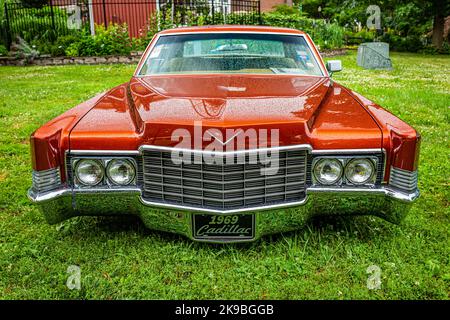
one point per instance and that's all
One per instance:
(63, 191)
(62, 204)
(317, 57)
(45, 180)
(372, 177)
(316, 180)
(207, 189)
(206, 210)
(345, 159)
(76, 162)
(104, 159)
(37, 197)
(102, 152)
(305, 147)
(405, 197)
(347, 151)
(403, 179)
(78, 152)
(133, 164)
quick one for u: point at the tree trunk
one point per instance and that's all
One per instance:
(289, 2)
(438, 23)
(438, 31)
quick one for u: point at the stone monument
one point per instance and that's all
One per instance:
(374, 55)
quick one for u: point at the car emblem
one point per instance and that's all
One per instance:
(224, 142)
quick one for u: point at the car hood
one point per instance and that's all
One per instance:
(148, 110)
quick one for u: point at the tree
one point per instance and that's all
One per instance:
(441, 9)
(406, 17)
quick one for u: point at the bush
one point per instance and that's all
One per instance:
(3, 50)
(107, 41)
(356, 38)
(412, 43)
(326, 35)
(21, 49)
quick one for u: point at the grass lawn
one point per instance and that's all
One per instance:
(120, 258)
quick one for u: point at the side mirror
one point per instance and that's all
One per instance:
(334, 66)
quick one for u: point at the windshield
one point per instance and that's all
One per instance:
(204, 53)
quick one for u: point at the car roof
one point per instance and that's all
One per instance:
(231, 28)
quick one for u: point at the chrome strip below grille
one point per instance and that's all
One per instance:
(223, 186)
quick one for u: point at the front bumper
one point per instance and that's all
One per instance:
(59, 205)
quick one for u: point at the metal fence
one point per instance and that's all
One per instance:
(63, 17)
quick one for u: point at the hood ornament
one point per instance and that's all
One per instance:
(219, 138)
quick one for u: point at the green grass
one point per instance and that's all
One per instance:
(328, 259)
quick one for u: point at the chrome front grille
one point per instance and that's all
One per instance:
(224, 186)
(46, 180)
(403, 180)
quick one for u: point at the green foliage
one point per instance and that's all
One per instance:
(113, 40)
(412, 43)
(2, 10)
(58, 47)
(284, 9)
(330, 36)
(22, 49)
(326, 35)
(405, 22)
(36, 24)
(356, 38)
(3, 50)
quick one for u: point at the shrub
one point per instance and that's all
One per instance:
(72, 50)
(3, 50)
(284, 9)
(330, 36)
(24, 50)
(326, 35)
(356, 38)
(107, 41)
(412, 43)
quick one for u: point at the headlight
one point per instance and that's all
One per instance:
(328, 171)
(89, 172)
(359, 171)
(120, 171)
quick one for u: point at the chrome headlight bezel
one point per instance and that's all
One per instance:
(345, 159)
(83, 182)
(123, 160)
(106, 182)
(319, 160)
(369, 180)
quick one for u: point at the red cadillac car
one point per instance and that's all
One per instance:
(226, 134)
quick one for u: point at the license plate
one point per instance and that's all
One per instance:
(237, 226)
